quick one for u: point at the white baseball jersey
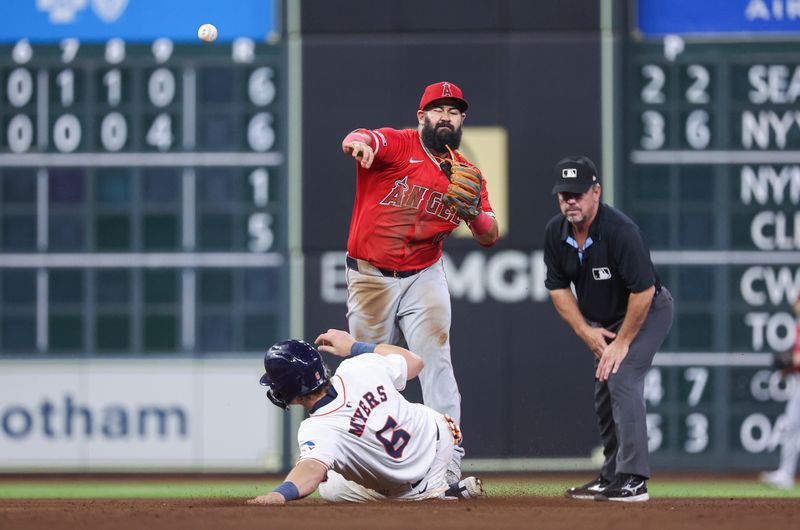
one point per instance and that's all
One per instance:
(369, 433)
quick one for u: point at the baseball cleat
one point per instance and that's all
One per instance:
(467, 488)
(589, 490)
(777, 479)
(625, 488)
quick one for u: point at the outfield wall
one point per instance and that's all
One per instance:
(137, 415)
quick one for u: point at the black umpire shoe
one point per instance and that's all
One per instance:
(588, 490)
(625, 488)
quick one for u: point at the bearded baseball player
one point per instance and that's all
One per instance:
(362, 440)
(413, 188)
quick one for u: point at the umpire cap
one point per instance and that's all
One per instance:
(575, 174)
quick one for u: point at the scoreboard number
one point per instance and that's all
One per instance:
(260, 136)
(66, 82)
(697, 438)
(698, 378)
(698, 134)
(22, 52)
(653, 136)
(159, 135)
(67, 133)
(161, 87)
(114, 132)
(69, 49)
(260, 228)
(20, 87)
(259, 180)
(115, 51)
(652, 92)
(655, 437)
(260, 86)
(162, 50)
(20, 133)
(113, 82)
(696, 93)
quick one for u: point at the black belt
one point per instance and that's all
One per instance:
(352, 264)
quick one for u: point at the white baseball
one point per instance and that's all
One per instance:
(207, 33)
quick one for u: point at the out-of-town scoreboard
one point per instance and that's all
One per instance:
(711, 172)
(142, 179)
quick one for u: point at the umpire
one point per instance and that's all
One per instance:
(622, 313)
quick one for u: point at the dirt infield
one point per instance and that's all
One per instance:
(493, 513)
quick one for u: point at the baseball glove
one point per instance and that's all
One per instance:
(463, 194)
(782, 361)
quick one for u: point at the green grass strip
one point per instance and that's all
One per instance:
(131, 490)
(250, 488)
(657, 489)
(719, 490)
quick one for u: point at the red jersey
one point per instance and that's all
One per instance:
(399, 221)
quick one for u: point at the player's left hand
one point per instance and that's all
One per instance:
(611, 359)
(336, 342)
(270, 499)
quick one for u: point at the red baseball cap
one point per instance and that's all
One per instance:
(443, 90)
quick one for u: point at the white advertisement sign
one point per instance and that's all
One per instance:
(153, 414)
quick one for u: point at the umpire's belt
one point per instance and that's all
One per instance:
(352, 264)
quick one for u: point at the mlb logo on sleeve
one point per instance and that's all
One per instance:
(601, 273)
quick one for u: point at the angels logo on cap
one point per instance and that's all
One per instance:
(443, 90)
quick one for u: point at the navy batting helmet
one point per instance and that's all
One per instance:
(293, 368)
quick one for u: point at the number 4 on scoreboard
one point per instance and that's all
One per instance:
(160, 133)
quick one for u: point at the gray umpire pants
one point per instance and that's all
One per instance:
(619, 402)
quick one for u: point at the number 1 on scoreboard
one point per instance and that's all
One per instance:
(259, 179)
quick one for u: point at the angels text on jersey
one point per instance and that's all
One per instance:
(401, 197)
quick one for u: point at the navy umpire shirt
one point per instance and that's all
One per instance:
(615, 262)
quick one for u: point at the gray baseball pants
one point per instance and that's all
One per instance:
(619, 402)
(416, 310)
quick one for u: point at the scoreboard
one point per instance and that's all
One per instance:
(142, 187)
(711, 173)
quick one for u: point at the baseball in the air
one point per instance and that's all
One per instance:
(207, 33)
